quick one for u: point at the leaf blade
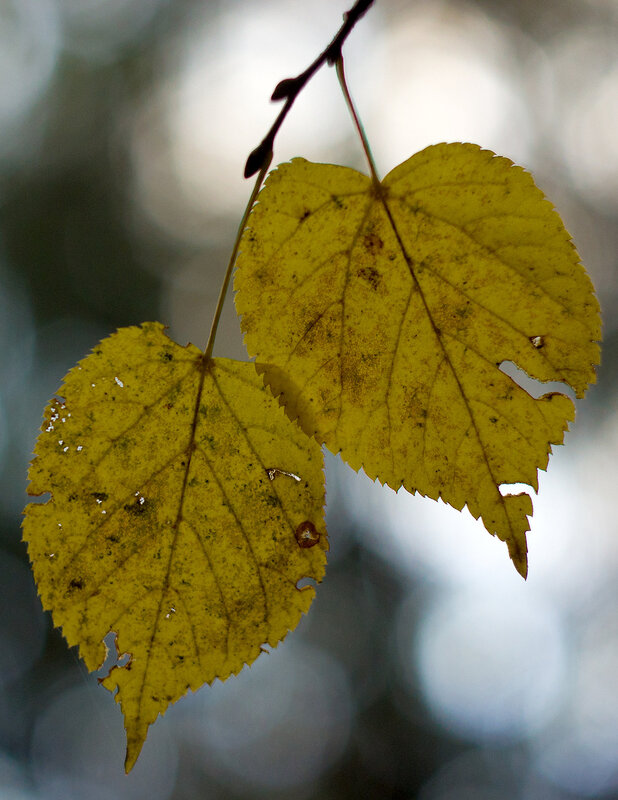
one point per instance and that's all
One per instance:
(400, 312)
(165, 526)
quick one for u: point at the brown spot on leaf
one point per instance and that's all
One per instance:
(306, 534)
(371, 275)
(138, 507)
(373, 243)
(537, 341)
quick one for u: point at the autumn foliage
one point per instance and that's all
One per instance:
(187, 492)
(178, 485)
(454, 264)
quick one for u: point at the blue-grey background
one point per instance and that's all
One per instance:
(426, 668)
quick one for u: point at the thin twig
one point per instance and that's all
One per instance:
(290, 88)
(230, 267)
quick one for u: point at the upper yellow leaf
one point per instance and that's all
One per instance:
(185, 508)
(384, 311)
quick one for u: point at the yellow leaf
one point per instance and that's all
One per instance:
(384, 311)
(185, 508)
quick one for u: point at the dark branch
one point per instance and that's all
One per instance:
(290, 88)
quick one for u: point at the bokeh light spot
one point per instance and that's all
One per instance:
(279, 725)
(451, 80)
(491, 668)
(78, 751)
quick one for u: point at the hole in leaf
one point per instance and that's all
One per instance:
(45, 497)
(304, 582)
(534, 387)
(272, 472)
(112, 658)
(515, 488)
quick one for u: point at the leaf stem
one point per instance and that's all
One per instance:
(230, 267)
(260, 159)
(290, 88)
(358, 124)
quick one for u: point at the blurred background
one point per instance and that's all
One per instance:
(426, 668)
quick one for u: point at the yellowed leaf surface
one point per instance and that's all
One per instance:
(384, 312)
(185, 507)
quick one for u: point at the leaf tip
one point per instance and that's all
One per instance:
(518, 552)
(134, 748)
(522, 567)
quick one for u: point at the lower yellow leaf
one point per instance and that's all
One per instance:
(185, 508)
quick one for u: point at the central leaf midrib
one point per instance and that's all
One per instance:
(204, 365)
(408, 259)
